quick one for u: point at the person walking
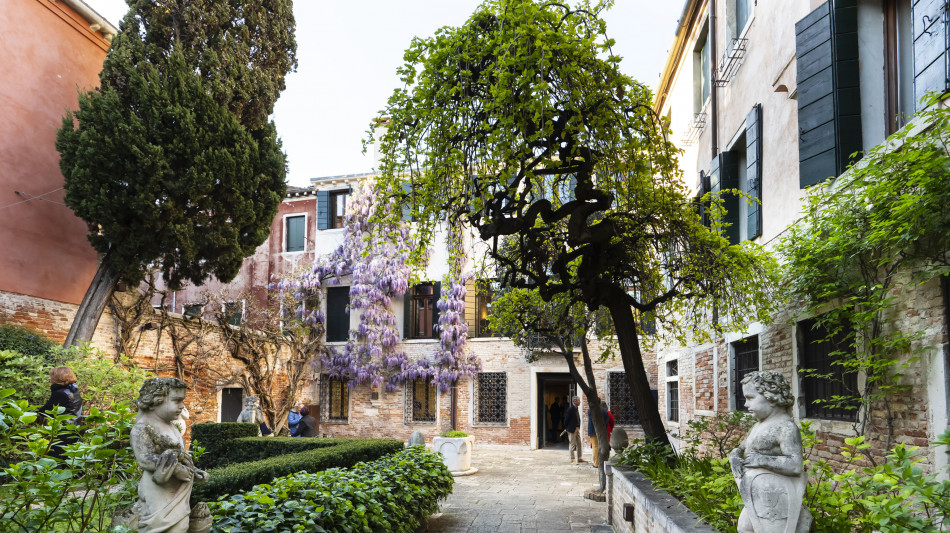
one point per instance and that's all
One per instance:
(592, 433)
(572, 423)
(307, 427)
(556, 415)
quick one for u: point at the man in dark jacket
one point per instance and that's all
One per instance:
(307, 427)
(572, 423)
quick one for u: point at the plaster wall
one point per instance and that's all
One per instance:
(49, 53)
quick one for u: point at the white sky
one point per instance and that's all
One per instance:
(348, 52)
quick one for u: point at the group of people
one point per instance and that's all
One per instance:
(569, 419)
(300, 422)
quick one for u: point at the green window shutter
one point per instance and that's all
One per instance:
(723, 175)
(436, 294)
(930, 48)
(753, 145)
(829, 96)
(323, 209)
(295, 233)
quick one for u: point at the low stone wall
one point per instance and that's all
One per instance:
(653, 511)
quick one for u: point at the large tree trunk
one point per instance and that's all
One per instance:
(632, 357)
(92, 306)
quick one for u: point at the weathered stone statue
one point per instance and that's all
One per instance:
(768, 464)
(252, 412)
(168, 469)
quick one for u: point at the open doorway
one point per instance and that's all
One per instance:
(551, 386)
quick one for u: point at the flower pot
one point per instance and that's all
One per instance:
(456, 452)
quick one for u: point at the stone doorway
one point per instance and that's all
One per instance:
(553, 385)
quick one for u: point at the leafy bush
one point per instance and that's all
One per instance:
(890, 497)
(455, 434)
(25, 341)
(80, 490)
(216, 439)
(396, 493)
(242, 476)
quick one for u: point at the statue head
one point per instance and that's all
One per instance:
(772, 386)
(251, 402)
(155, 390)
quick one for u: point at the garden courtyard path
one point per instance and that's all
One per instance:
(536, 491)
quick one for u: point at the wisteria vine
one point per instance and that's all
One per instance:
(375, 252)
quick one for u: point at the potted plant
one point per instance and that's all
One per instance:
(456, 449)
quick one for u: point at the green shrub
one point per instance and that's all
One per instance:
(248, 449)
(455, 434)
(397, 493)
(216, 439)
(25, 341)
(78, 492)
(242, 476)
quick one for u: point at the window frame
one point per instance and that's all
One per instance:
(413, 313)
(484, 295)
(241, 314)
(328, 394)
(478, 394)
(185, 314)
(431, 398)
(702, 69)
(810, 342)
(286, 227)
(337, 220)
(737, 373)
(345, 319)
(672, 383)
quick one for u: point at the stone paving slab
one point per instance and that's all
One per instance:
(521, 491)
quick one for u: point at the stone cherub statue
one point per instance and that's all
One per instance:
(252, 412)
(768, 464)
(168, 469)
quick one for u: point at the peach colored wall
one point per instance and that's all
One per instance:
(49, 53)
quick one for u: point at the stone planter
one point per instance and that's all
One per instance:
(456, 453)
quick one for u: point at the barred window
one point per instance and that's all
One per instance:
(336, 399)
(620, 400)
(420, 401)
(745, 360)
(491, 398)
(821, 353)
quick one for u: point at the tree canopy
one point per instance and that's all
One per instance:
(172, 161)
(521, 124)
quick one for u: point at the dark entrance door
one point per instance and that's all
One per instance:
(552, 385)
(232, 402)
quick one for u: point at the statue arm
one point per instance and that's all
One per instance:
(789, 461)
(736, 458)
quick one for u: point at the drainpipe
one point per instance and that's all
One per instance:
(453, 405)
(713, 55)
(96, 21)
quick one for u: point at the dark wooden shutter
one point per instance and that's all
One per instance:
(338, 321)
(930, 48)
(323, 209)
(723, 175)
(436, 294)
(232, 403)
(753, 154)
(829, 95)
(407, 314)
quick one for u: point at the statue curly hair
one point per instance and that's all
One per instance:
(772, 385)
(155, 390)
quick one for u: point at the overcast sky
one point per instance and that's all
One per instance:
(348, 52)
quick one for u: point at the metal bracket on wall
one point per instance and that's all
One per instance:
(731, 60)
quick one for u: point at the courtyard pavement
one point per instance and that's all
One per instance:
(522, 491)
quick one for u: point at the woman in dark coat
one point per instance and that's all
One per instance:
(65, 394)
(307, 427)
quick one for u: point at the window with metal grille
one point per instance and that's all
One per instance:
(295, 231)
(421, 401)
(820, 352)
(192, 310)
(620, 400)
(491, 398)
(745, 360)
(672, 391)
(336, 399)
(234, 313)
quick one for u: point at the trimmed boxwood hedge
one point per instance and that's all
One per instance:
(236, 477)
(397, 493)
(256, 448)
(216, 439)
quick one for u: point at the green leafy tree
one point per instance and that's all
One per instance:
(520, 124)
(882, 224)
(172, 161)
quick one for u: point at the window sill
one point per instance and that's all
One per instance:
(336, 422)
(419, 341)
(491, 425)
(839, 427)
